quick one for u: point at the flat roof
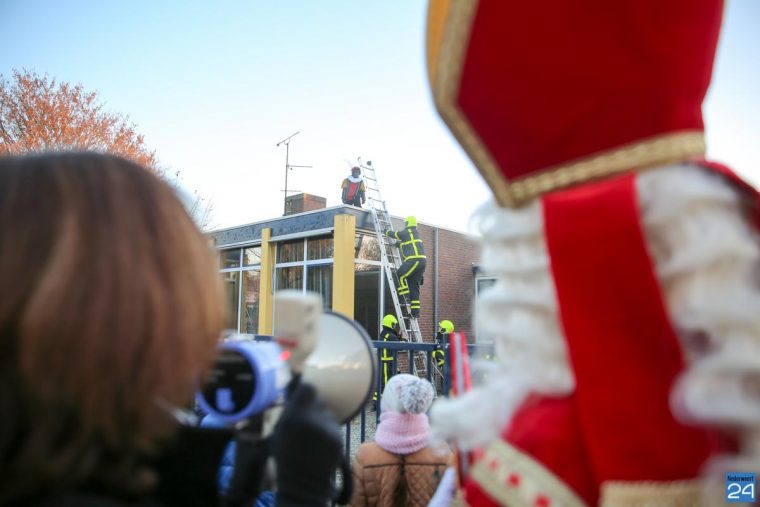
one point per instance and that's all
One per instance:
(320, 220)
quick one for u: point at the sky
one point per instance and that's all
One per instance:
(213, 86)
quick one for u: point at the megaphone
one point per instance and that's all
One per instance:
(342, 366)
(326, 349)
(247, 378)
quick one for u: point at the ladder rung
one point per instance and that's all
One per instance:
(391, 259)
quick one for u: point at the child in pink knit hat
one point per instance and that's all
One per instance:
(399, 468)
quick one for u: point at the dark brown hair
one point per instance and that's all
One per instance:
(110, 307)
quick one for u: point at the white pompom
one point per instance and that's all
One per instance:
(416, 396)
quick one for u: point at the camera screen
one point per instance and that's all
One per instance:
(230, 384)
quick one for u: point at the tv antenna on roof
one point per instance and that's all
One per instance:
(288, 167)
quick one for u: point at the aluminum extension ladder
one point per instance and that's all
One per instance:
(391, 260)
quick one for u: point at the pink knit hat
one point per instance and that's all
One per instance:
(404, 426)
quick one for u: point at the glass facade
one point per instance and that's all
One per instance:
(232, 296)
(240, 270)
(370, 285)
(301, 264)
(306, 264)
(481, 283)
(249, 302)
(320, 248)
(290, 278)
(230, 258)
(290, 251)
(367, 247)
(300, 255)
(367, 285)
(252, 256)
(319, 279)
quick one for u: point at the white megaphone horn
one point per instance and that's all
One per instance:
(329, 350)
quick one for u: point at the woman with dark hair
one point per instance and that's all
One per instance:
(111, 307)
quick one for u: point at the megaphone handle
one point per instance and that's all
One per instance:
(347, 491)
(295, 381)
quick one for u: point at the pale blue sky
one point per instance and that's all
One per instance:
(214, 85)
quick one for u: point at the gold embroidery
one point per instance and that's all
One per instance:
(642, 154)
(655, 151)
(445, 85)
(438, 12)
(502, 463)
(686, 493)
(458, 500)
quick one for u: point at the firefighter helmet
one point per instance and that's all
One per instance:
(411, 221)
(390, 321)
(447, 326)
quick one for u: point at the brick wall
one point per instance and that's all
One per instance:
(299, 203)
(456, 254)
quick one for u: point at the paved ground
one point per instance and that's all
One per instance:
(355, 434)
(354, 429)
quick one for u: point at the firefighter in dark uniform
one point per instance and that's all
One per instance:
(413, 266)
(444, 327)
(388, 333)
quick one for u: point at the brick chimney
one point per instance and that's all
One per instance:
(299, 203)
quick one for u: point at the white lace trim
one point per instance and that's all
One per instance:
(706, 252)
(519, 313)
(706, 255)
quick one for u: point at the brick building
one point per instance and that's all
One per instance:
(334, 252)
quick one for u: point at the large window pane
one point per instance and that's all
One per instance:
(230, 258)
(319, 279)
(252, 256)
(367, 247)
(231, 291)
(319, 248)
(482, 284)
(249, 305)
(290, 251)
(366, 298)
(290, 278)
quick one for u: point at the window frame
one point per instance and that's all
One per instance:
(303, 262)
(240, 269)
(480, 278)
(381, 291)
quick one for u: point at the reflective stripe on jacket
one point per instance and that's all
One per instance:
(388, 335)
(410, 243)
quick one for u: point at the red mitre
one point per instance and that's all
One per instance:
(546, 95)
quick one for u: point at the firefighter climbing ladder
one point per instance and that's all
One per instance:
(391, 260)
